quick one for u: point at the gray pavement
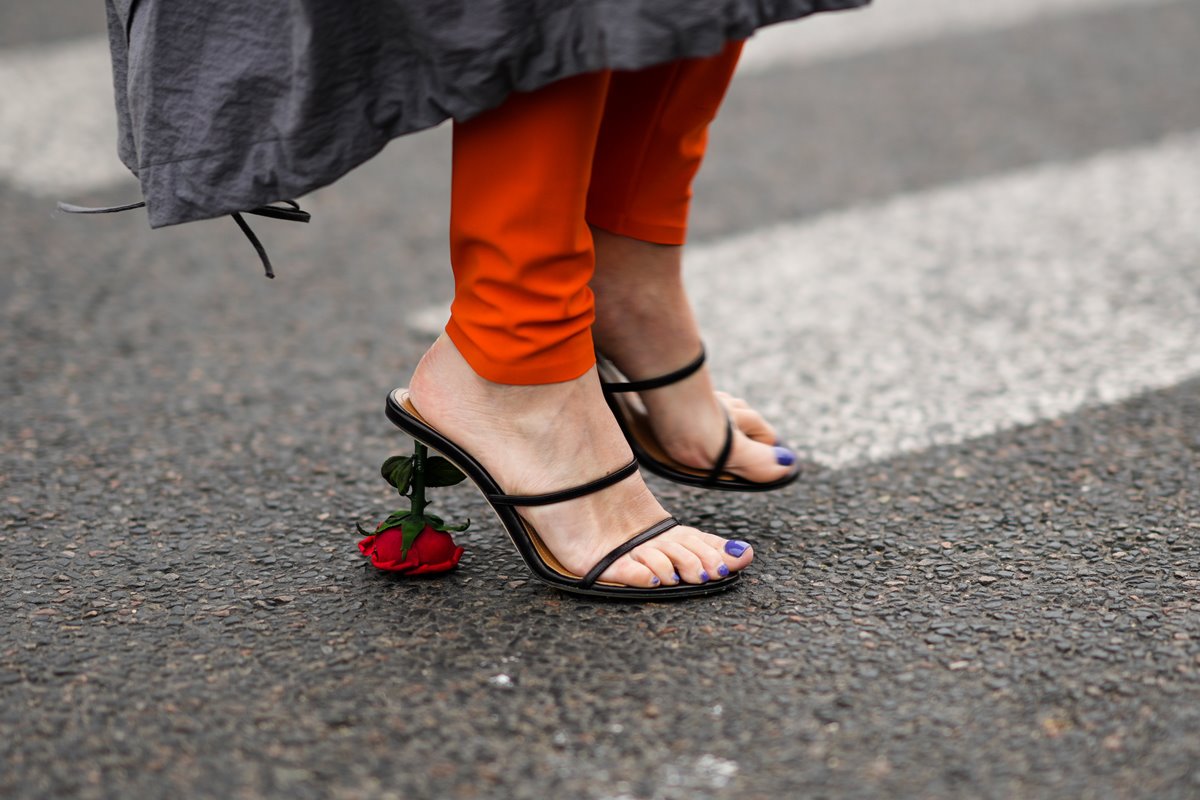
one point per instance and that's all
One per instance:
(186, 447)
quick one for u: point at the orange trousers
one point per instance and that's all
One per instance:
(616, 150)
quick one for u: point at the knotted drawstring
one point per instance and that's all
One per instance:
(292, 214)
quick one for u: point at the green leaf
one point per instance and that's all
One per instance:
(363, 530)
(389, 465)
(455, 528)
(440, 472)
(410, 528)
(394, 520)
(397, 471)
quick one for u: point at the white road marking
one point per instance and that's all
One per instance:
(959, 312)
(58, 128)
(954, 313)
(899, 23)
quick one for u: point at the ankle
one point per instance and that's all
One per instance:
(640, 298)
(446, 389)
(622, 334)
(641, 276)
(631, 315)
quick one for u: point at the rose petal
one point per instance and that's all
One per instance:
(432, 551)
(443, 566)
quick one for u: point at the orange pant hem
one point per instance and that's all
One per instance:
(622, 225)
(566, 361)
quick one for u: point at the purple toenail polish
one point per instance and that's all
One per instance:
(655, 581)
(784, 456)
(675, 577)
(723, 571)
(735, 547)
(703, 576)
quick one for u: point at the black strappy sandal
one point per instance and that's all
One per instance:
(635, 424)
(537, 556)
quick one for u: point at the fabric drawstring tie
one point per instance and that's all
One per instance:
(291, 213)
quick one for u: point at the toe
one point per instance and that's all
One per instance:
(689, 566)
(758, 461)
(629, 572)
(735, 554)
(730, 401)
(719, 557)
(711, 557)
(751, 423)
(657, 562)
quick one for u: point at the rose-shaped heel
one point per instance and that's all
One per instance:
(413, 541)
(541, 562)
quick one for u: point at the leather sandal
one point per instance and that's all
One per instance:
(635, 424)
(533, 551)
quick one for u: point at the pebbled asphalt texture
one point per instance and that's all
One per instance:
(187, 446)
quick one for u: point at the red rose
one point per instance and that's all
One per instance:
(432, 551)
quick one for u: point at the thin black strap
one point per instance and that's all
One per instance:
(654, 530)
(291, 214)
(258, 247)
(718, 468)
(74, 209)
(566, 494)
(656, 383)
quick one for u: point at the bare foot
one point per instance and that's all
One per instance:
(536, 439)
(640, 299)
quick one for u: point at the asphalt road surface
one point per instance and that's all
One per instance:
(953, 249)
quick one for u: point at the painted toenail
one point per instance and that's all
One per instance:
(675, 578)
(655, 581)
(735, 547)
(703, 576)
(784, 456)
(723, 571)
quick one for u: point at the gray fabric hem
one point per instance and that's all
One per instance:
(349, 126)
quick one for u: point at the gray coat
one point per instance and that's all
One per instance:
(224, 105)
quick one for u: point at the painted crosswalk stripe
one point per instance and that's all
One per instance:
(941, 316)
(57, 122)
(900, 23)
(954, 313)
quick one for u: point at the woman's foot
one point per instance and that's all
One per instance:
(640, 298)
(536, 439)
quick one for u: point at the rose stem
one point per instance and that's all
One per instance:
(418, 480)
